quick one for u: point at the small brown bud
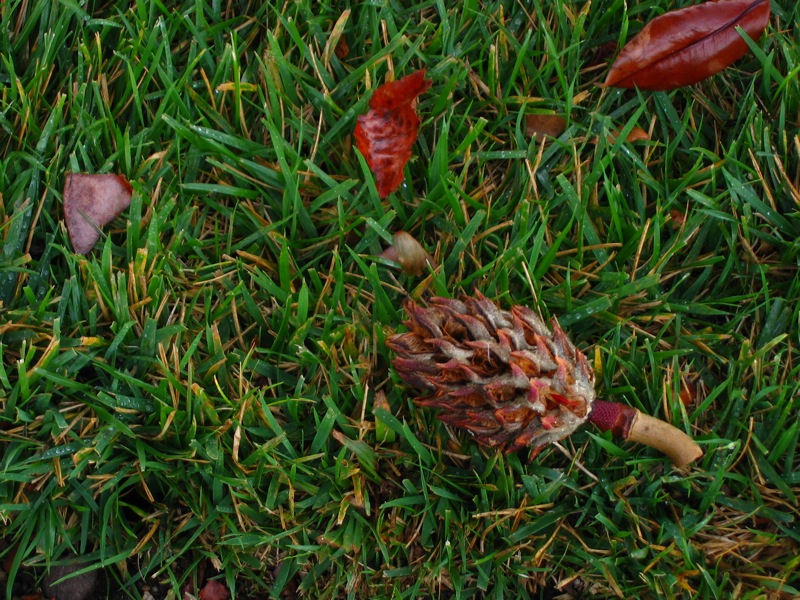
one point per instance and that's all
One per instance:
(409, 253)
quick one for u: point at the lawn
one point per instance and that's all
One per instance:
(208, 393)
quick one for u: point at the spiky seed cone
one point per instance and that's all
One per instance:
(501, 375)
(512, 382)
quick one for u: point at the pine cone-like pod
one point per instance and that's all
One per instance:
(501, 375)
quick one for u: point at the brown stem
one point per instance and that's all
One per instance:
(628, 423)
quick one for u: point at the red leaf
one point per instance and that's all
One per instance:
(214, 590)
(91, 201)
(688, 45)
(386, 133)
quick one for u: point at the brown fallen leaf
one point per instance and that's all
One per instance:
(336, 43)
(342, 49)
(214, 590)
(552, 125)
(688, 393)
(90, 202)
(685, 46)
(678, 218)
(637, 134)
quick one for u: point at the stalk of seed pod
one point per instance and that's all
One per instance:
(511, 381)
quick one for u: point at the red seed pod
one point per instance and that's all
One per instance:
(511, 381)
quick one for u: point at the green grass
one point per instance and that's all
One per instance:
(199, 391)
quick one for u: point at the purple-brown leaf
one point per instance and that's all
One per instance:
(90, 202)
(214, 590)
(688, 45)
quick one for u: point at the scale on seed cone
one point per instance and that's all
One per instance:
(511, 381)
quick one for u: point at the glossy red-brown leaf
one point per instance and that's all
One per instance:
(386, 133)
(688, 45)
(91, 201)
